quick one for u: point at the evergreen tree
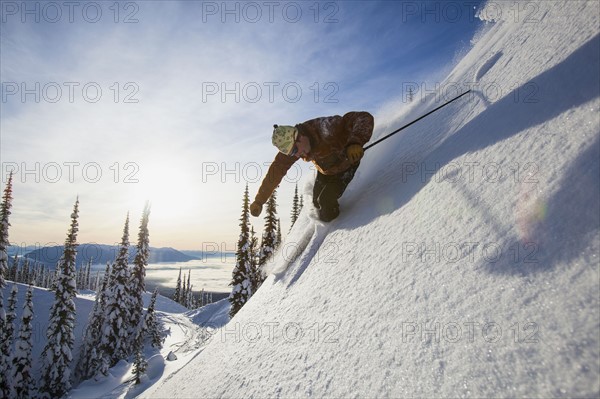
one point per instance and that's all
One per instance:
(13, 269)
(138, 275)
(55, 277)
(301, 205)
(90, 358)
(115, 333)
(57, 356)
(83, 277)
(79, 278)
(22, 378)
(88, 275)
(139, 364)
(49, 279)
(26, 276)
(11, 315)
(269, 238)
(9, 333)
(184, 292)
(97, 285)
(152, 325)
(177, 296)
(254, 274)
(241, 277)
(188, 291)
(278, 236)
(295, 207)
(4, 243)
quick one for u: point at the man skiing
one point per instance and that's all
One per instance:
(333, 144)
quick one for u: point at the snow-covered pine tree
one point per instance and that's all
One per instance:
(295, 207)
(11, 315)
(34, 271)
(8, 334)
(278, 240)
(183, 294)
(25, 272)
(55, 277)
(96, 285)
(22, 378)
(57, 354)
(152, 326)
(88, 272)
(241, 276)
(49, 279)
(177, 296)
(13, 269)
(42, 277)
(83, 275)
(269, 238)
(79, 277)
(115, 332)
(191, 302)
(138, 275)
(90, 357)
(139, 364)
(254, 258)
(4, 243)
(188, 291)
(39, 272)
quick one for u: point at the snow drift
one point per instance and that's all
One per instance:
(465, 261)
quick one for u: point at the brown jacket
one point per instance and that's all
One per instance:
(329, 137)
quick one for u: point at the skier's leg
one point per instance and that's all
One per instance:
(347, 176)
(328, 197)
(318, 188)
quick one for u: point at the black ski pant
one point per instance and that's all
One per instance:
(328, 189)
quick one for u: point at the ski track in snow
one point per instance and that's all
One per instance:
(307, 251)
(194, 336)
(489, 64)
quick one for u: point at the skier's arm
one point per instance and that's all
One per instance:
(275, 174)
(360, 125)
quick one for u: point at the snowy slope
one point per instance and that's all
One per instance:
(42, 302)
(185, 335)
(465, 261)
(181, 336)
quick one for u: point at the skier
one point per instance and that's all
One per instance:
(333, 144)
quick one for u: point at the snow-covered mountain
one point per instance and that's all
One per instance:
(465, 262)
(101, 254)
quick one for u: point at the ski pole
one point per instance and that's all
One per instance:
(415, 121)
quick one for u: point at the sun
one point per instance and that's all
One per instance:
(167, 185)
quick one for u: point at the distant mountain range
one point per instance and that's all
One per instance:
(101, 254)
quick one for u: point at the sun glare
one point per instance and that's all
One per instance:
(168, 188)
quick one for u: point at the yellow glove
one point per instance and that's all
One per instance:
(255, 208)
(355, 152)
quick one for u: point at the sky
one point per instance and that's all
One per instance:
(117, 103)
